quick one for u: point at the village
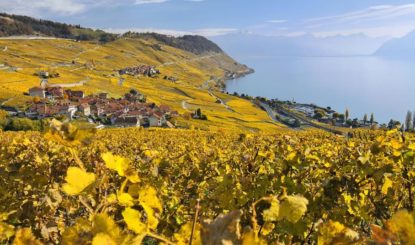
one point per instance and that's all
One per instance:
(295, 114)
(132, 110)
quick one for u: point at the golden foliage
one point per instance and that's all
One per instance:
(77, 180)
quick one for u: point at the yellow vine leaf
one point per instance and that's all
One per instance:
(25, 237)
(387, 184)
(103, 224)
(272, 213)
(403, 224)
(77, 180)
(148, 196)
(183, 236)
(112, 198)
(334, 232)
(125, 199)
(292, 208)
(267, 228)
(152, 221)
(103, 239)
(116, 163)
(250, 238)
(121, 165)
(132, 218)
(6, 231)
(71, 234)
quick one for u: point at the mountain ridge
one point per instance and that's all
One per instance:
(18, 25)
(399, 47)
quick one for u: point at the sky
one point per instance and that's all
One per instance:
(321, 18)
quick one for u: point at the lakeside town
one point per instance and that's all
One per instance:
(301, 115)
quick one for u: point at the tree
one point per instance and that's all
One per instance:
(365, 119)
(346, 114)
(318, 113)
(133, 92)
(372, 119)
(23, 124)
(297, 123)
(3, 119)
(394, 124)
(199, 113)
(409, 121)
(413, 121)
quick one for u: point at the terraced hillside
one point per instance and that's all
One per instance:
(92, 68)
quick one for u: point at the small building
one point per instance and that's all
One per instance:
(44, 74)
(75, 95)
(37, 92)
(103, 96)
(85, 109)
(156, 120)
(126, 121)
(54, 92)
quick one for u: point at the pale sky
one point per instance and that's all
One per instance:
(374, 18)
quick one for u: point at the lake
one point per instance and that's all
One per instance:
(364, 84)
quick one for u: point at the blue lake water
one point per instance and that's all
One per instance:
(366, 84)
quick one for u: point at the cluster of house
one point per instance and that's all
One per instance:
(131, 110)
(145, 70)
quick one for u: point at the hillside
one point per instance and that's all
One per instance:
(17, 25)
(399, 47)
(94, 65)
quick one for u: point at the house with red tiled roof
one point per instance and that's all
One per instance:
(126, 121)
(37, 92)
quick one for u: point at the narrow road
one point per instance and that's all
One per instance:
(70, 85)
(221, 101)
(184, 105)
(6, 101)
(272, 113)
(269, 110)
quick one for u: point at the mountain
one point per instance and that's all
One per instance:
(17, 25)
(240, 45)
(399, 48)
(192, 70)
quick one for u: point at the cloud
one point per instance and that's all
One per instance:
(212, 32)
(374, 13)
(38, 7)
(207, 32)
(276, 21)
(374, 21)
(140, 2)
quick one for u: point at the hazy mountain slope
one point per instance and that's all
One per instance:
(243, 45)
(400, 47)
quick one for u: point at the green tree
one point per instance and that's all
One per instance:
(408, 121)
(3, 119)
(372, 118)
(365, 119)
(23, 124)
(346, 114)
